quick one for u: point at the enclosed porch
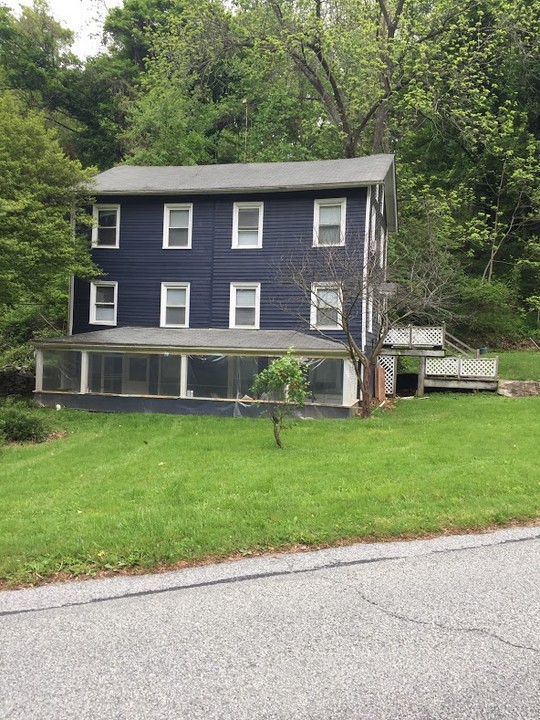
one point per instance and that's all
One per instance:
(130, 372)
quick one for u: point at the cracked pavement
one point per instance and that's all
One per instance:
(443, 628)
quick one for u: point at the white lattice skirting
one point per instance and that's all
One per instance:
(456, 367)
(389, 363)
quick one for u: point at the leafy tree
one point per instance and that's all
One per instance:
(284, 381)
(419, 286)
(41, 195)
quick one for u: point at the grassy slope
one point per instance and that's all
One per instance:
(519, 364)
(140, 490)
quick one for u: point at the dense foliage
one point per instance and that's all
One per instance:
(451, 86)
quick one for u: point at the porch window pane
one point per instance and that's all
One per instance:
(62, 370)
(326, 382)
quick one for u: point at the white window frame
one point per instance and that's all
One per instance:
(232, 304)
(95, 225)
(165, 286)
(236, 212)
(314, 306)
(167, 224)
(316, 220)
(93, 292)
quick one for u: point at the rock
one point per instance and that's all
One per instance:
(519, 388)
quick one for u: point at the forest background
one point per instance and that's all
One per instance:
(452, 87)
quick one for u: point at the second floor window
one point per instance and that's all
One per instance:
(247, 225)
(174, 305)
(329, 222)
(325, 306)
(106, 227)
(103, 303)
(244, 305)
(177, 223)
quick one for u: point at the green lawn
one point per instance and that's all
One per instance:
(518, 364)
(146, 490)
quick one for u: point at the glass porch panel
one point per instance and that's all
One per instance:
(169, 375)
(207, 376)
(326, 382)
(223, 377)
(62, 370)
(105, 372)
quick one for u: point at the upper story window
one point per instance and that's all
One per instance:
(329, 222)
(174, 305)
(106, 227)
(244, 305)
(177, 224)
(247, 225)
(326, 306)
(103, 303)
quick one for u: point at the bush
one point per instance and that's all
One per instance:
(487, 313)
(20, 424)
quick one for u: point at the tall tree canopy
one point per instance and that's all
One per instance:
(451, 86)
(40, 192)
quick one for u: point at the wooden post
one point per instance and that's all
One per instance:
(380, 391)
(421, 375)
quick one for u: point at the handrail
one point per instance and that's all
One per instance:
(456, 344)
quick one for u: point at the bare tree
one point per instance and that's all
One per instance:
(355, 301)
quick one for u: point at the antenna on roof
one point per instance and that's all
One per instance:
(245, 103)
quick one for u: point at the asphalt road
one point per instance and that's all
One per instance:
(444, 628)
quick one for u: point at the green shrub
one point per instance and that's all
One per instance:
(20, 424)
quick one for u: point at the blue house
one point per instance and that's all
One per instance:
(192, 302)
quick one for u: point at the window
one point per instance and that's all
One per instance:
(329, 223)
(106, 228)
(247, 225)
(244, 305)
(103, 302)
(326, 306)
(177, 223)
(174, 305)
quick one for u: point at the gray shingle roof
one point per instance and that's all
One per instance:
(245, 177)
(253, 177)
(193, 340)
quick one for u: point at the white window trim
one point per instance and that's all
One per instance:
(314, 295)
(232, 304)
(316, 216)
(93, 287)
(163, 312)
(166, 224)
(247, 206)
(95, 227)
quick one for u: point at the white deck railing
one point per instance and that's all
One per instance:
(414, 336)
(462, 367)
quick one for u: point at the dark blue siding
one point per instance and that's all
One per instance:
(140, 265)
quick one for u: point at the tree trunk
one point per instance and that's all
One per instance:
(276, 432)
(366, 392)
